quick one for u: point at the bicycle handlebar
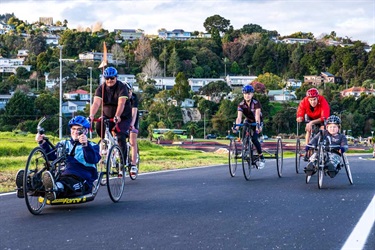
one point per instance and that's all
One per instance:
(114, 120)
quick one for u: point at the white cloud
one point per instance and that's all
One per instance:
(355, 19)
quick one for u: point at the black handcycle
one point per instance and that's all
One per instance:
(37, 163)
(245, 150)
(322, 158)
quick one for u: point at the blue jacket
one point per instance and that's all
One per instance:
(82, 164)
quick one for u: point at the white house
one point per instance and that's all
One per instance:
(11, 65)
(79, 95)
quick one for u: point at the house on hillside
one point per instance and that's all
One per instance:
(357, 91)
(78, 95)
(324, 77)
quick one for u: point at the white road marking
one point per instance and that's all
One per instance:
(359, 235)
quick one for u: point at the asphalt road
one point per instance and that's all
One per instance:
(203, 208)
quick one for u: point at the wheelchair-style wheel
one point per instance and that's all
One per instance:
(320, 166)
(33, 188)
(247, 158)
(279, 157)
(347, 168)
(115, 173)
(133, 177)
(232, 157)
(298, 155)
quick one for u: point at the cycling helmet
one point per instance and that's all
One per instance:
(110, 72)
(311, 93)
(80, 121)
(334, 119)
(248, 89)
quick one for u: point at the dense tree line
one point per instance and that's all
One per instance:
(246, 51)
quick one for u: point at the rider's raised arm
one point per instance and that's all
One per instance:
(95, 107)
(238, 119)
(91, 153)
(301, 110)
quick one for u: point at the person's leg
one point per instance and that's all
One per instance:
(133, 142)
(258, 147)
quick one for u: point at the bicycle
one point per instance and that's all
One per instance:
(110, 139)
(251, 160)
(322, 157)
(37, 163)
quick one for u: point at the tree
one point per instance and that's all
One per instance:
(270, 80)
(180, 90)
(46, 104)
(118, 53)
(152, 68)
(174, 63)
(19, 108)
(143, 51)
(216, 22)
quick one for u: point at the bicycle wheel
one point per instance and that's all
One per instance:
(279, 157)
(33, 188)
(298, 155)
(232, 157)
(115, 173)
(246, 158)
(320, 166)
(347, 168)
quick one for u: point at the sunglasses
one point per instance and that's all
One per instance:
(110, 78)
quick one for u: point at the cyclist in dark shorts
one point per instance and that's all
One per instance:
(251, 109)
(313, 109)
(134, 127)
(114, 97)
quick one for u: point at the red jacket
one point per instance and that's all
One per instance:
(322, 109)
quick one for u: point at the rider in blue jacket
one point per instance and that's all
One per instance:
(80, 170)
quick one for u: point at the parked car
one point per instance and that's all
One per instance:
(211, 136)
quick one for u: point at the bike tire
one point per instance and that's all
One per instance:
(115, 173)
(298, 155)
(246, 158)
(32, 181)
(279, 157)
(347, 168)
(232, 158)
(320, 166)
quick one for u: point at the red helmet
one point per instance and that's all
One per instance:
(311, 93)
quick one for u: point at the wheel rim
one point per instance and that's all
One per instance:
(115, 173)
(279, 157)
(298, 155)
(232, 158)
(246, 159)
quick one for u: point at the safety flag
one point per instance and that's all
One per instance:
(104, 61)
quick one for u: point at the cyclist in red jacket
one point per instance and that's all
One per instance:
(313, 109)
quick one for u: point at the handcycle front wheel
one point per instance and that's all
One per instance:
(232, 157)
(347, 168)
(32, 180)
(115, 173)
(279, 157)
(320, 166)
(247, 158)
(298, 155)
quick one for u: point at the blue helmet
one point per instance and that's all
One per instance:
(248, 89)
(80, 121)
(334, 119)
(110, 72)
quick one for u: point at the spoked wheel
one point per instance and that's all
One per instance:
(347, 168)
(33, 189)
(133, 177)
(279, 157)
(115, 173)
(232, 158)
(320, 166)
(298, 155)
(246, 158)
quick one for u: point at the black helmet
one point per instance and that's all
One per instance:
(334, 119)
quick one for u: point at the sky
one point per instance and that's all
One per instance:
(354, 19)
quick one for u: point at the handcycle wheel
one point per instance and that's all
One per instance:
(347, 168)
(320, 166)
(246, 158)
(133, 177)
(298, 155)
(33, 188)
(279, 157)
(232, 157)
(115, 173)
